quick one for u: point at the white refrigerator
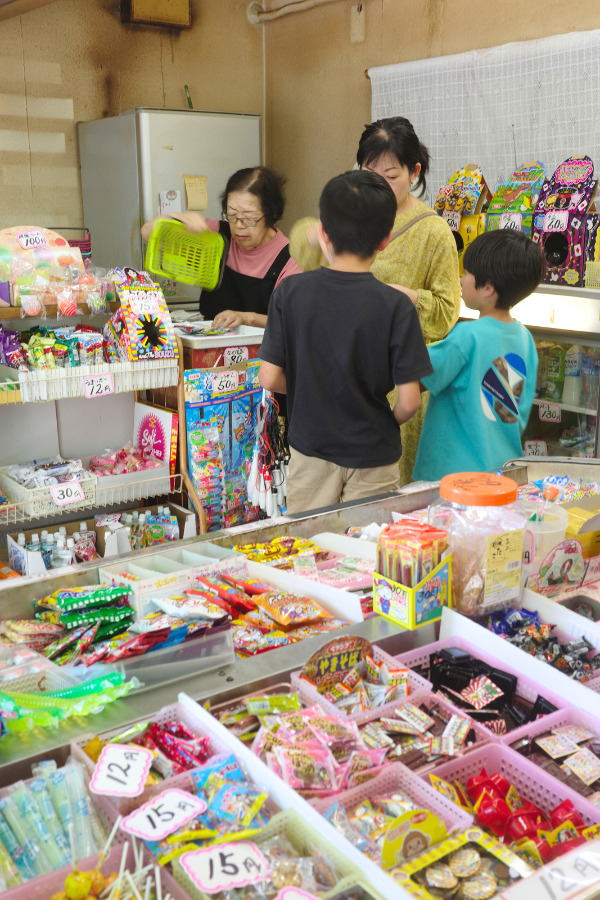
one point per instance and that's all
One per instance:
(128, 161)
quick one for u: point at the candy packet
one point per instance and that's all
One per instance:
(306, 767)
(186, 606)
(290, 609)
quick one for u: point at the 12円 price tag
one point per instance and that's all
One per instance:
(121, 771)
(98, 385)
(226, 866)
(163, 815)
(66, 493)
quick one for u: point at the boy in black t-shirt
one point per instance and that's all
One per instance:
(337, 341)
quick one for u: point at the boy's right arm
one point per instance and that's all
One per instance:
(408, 402)
(272, 378)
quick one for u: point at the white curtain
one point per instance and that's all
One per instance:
(501, 107)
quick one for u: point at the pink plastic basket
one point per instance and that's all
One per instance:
(184, 781)
(530, 781)
(398, 778)
(526, 687)
(310, 695)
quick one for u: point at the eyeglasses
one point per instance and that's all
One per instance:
(244, 221)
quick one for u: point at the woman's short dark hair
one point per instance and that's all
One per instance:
(394, 136)
(357, 212)
(265, 184)
(508, 260)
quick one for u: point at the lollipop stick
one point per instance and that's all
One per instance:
(147, 888)
(136, 893)
(72, 843)
(104, 852)
(158, 884)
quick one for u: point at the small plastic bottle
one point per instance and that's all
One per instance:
(71, 550)
(21, 539)
(34, 544)
(141, 537)
(62, 530)
(58, 558)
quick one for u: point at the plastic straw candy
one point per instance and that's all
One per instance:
(31, 813)
(22, 830)
(59, 794)
(82, 828)
(8, 869)
(15, 850)
(39, 791)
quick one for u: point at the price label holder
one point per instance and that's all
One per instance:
(453, 219)
(121, 771)
(225, 383)
(570, 877)
(66, 493)
(225, 866)
(163, 815)
(98, 385)
(535, 448)
(512, 221)
(550, 412)
(234, 355)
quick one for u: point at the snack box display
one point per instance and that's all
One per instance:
(227, 346)
(461, 203)
(514, 199)
(417, 606)
(32, 249)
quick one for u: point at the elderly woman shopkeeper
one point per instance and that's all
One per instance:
(258, 257)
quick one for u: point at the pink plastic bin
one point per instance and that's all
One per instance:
(526, 687)
(310, 695)
(530, 781)
(44, 886)
(125, 805)
(397, 777)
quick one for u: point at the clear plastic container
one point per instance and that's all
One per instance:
(485, 527)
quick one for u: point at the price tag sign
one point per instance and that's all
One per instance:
(550, 412)
(66, 493)
(226, 866)
(535, 448)
(512, 221)
(98, 385)
(224, 383)
(143, 302)
(121, 771)
(294, 893)
(235, 355)
(453, 219)
(163, 815)
(571, 876)
(556, 221)
(30, 239)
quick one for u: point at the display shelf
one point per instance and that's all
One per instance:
(97, 497)
(43, 385)
(567, 407)
(14, 312)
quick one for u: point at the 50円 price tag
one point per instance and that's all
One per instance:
(121, 771)
(98, 385)
(163, 815)
(66, 493)
(226, 866)
(224, 382)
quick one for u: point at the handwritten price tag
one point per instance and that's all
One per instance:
(66, 493)
(143, 302)
(98, 385)
(224, 382)
(550, 412)
(31, 239)
(294, 893)
(163, 815)
(121, 771)
(535, 448)
(575, 872)
(226, 866)
(235, 355)
(556, 221)
(512, 221)
(453, 219)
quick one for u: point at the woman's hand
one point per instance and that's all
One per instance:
(193, 221)
(231, 318)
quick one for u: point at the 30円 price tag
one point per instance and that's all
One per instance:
(224, 382)
(67, 493)
(226, 866)
(121, 771)
(163, 815)
(234, 355)
(549, 412)
(98, 385)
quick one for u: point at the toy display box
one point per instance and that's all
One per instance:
(414, 607)
(461, 203)
(32, 255)
(560, 219)
(141, 329)
(514, 200)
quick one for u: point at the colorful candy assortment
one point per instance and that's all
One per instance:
(120, 462)
(570, 753)
(409, 550)
(55, 347)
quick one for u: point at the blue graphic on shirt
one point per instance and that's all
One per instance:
(502, 387)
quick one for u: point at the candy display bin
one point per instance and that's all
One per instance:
(206, 351)
(530, 782)
(32, 673)
(38, 503)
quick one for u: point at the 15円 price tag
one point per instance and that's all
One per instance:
(163, 815)
(98, 385)
(121, 771)
(66, 493)
(226, 866)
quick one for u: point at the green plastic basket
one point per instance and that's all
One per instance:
(197, 259)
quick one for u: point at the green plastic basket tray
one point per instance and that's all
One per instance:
(197, 259)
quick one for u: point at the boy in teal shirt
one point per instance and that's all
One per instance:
(484, 372)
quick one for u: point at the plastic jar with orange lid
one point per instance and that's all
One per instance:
(485, 523)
